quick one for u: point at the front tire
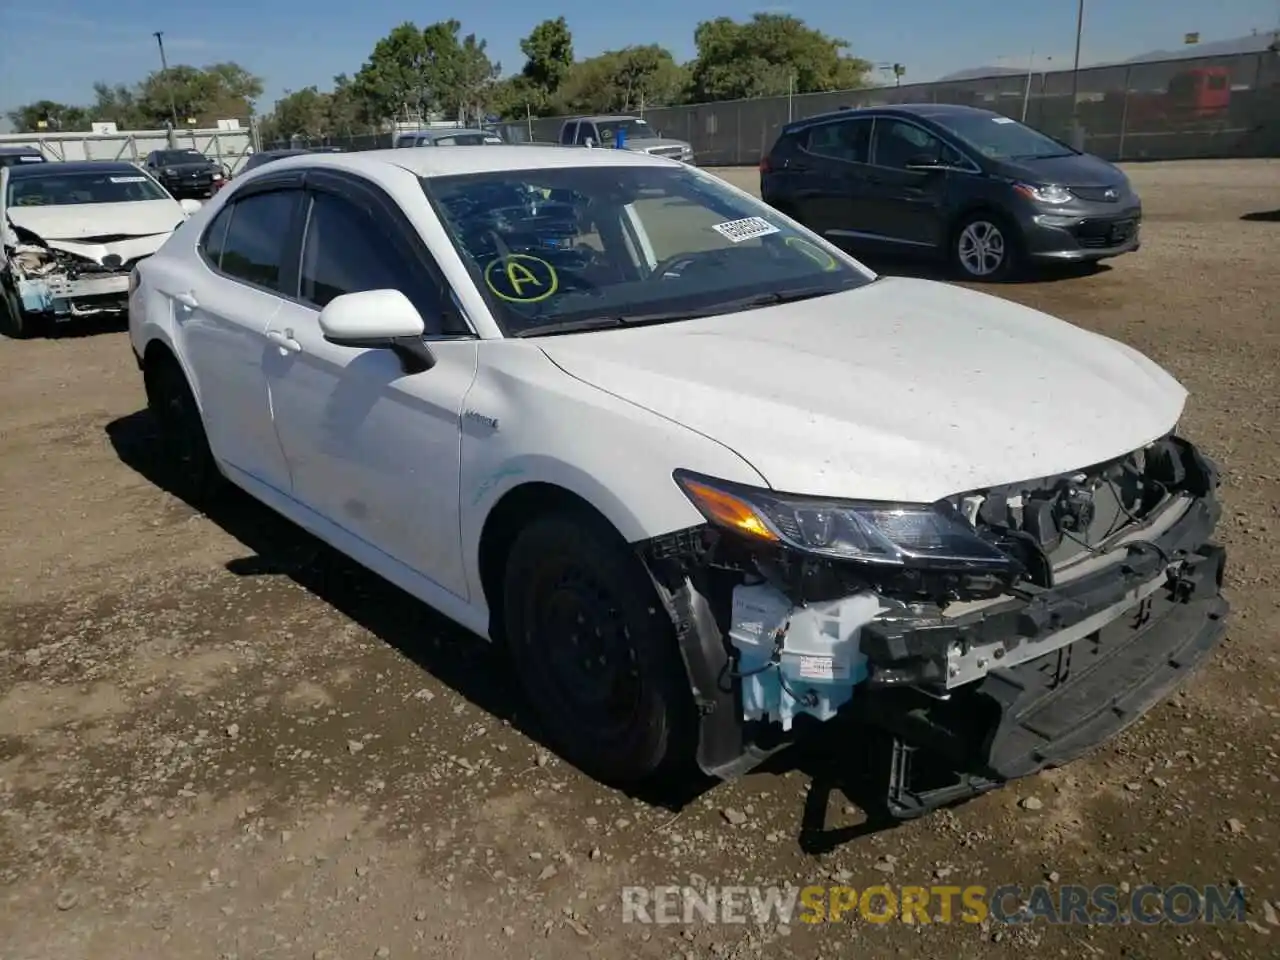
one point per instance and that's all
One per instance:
(182, 434)
(984, 248)
(595, 651)
(14, 323)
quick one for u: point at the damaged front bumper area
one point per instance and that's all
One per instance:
(63, 286)
(1116, 599)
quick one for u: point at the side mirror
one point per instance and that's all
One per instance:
(189, 206)
(378, 320)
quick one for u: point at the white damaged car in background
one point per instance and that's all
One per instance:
(707, 477)
(71, 234)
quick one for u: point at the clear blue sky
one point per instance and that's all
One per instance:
(57, 49)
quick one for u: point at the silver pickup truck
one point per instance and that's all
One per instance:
(633, 132)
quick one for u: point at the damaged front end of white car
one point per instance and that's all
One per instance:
(988, 635)
(62, 259)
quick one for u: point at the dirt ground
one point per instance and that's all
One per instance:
(218, 740)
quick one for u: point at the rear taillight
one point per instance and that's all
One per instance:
(765, 166)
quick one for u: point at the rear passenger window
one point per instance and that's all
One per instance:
(567, 132)
(254, 247)
(215, 237)
(848, 140)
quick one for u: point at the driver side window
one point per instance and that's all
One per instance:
(899, 144)
(343, 251)
(586, 131)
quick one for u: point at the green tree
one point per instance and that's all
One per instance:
(48, 116)
(203, 94)
(300, 113)
(623, 80)
(765, 56)
(346, 111)
(425, 72)
(549, 52)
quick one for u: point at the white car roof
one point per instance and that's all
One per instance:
(474, 159)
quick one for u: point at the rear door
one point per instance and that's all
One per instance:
(829, 176)
(222, 304)
(908, 206)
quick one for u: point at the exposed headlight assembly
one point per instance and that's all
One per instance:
(893, 535)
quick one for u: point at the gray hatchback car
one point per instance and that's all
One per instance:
(990, 194)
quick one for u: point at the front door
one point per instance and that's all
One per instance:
(371, 449)
(907, 205)
(222, 306)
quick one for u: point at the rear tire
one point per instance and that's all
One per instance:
(595, 651)
(985, 248)
(182, 435)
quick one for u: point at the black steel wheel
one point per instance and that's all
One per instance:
(595, 651)
(182, 434)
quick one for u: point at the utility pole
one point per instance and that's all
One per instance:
(1075, 70)
(1077, 139)
(168, 82)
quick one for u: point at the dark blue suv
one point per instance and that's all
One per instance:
(985, 191)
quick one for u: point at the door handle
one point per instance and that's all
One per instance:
(186, 298)
(284, 341)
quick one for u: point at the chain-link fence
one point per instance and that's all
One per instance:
(1166, 110)
(1171, 109)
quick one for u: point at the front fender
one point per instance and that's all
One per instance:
(526, 421)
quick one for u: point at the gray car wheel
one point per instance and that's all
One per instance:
(985, 248)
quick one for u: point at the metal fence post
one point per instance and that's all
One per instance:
(1124, 113)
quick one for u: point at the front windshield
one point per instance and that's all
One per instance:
(634, 129)
(566, 245)
(55, 189)
(1002, 138)
(180, 156)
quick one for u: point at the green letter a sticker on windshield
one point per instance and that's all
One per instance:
(521, 278)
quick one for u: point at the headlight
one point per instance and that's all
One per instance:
(1048, 193)
(217, 176)
(169, 172)
(889, 534)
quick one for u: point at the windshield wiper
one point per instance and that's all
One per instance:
(672, 316)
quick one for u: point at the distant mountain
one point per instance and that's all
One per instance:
(1255, 43)
(974, 73)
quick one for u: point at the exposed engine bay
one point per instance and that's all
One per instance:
(1081, 600)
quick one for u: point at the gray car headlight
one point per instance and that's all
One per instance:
(915, 535)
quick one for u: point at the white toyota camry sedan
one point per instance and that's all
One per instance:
(710, 479)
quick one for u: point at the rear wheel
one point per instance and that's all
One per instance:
(595, 651)
(985, 247)
(182, 433)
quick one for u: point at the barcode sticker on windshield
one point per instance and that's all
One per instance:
(735, 231)
(128, 179)
(1001, 120)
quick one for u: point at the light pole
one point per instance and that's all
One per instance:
(1075, 70)
(164, 72)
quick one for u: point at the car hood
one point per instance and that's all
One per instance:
(651, 143)
(901, 390)
(94, 230)
(1084, 170)
(194, 166)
